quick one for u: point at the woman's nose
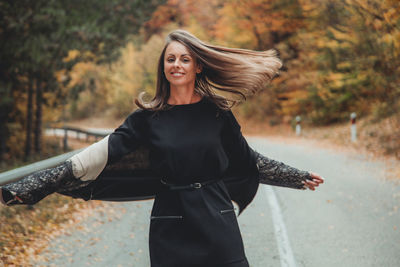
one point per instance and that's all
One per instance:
(177, 63)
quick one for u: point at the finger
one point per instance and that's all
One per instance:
(317, 177)
(311, 187)
(312, 183)
(317, 181)
(308, 185)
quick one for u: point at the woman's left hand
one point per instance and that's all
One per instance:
(314, 182)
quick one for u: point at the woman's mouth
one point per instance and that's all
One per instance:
(177, 74)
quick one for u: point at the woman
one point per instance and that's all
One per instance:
(196, 150)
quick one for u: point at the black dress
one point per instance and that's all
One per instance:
(192, 143)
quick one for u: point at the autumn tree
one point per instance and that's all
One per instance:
(349, 55)
(37, 37)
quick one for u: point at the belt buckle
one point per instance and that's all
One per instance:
(197, 185)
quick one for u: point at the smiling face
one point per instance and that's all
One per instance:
(180, 67)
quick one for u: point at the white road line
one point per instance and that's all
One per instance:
(285, 251)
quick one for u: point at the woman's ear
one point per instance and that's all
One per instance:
(199, 68)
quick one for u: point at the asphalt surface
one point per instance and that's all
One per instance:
(353, 219)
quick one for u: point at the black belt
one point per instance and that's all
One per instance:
(188, 186)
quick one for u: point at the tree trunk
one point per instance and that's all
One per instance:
(3, 134)
(29, 113)
(38, 121)
(5, 110)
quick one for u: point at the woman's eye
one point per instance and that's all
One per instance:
(170, 60)
(186, 60)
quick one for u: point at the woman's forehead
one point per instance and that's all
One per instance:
(177, 49)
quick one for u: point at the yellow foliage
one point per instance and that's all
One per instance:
(291, 105)
(330, 54)
(72, 54)
(79, 72)
(61, 75)
(117, 85)
(200, 32)
(344, 65)
(51, 113)
(388, 39)
(347, 36)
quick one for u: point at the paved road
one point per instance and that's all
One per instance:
(351, 220)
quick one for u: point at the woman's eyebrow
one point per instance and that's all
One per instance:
(180, 55)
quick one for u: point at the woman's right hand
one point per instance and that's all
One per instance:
(314, 182)
(34, 187)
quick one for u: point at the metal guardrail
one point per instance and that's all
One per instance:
(73, 132)
(97, 133)
(16, 174)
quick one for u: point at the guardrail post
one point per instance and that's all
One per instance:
(353, 127)
(298, 126)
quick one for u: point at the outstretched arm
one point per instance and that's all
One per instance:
(36, 186)
(273, 172)
(72, 174)
(80, 169)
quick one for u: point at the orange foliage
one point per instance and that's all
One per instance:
(330, 49)
(257, 24)
(184, 14)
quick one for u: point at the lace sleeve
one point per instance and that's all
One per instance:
(34, 187)
(76, 172)
(273, 172)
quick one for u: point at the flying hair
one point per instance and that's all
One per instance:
(230, 71)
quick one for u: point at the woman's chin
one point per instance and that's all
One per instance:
(180, 83)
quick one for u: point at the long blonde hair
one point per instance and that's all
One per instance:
(237, 71)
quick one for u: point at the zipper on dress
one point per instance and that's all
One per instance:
(226, 211)
(166, 217)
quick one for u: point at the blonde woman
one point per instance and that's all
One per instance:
(198, 156)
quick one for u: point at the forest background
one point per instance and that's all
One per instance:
(67, 60)
(63, 61)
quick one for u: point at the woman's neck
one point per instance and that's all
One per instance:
(183, 95)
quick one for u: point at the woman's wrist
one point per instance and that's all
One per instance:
(277, 173)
